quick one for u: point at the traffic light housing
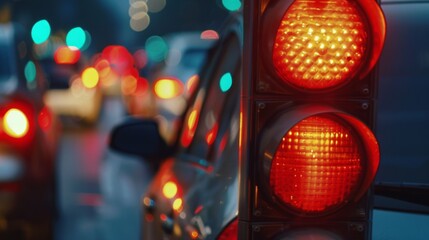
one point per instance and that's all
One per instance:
(307, 152)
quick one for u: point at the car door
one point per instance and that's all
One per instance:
(206, 122)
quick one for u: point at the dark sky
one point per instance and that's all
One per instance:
(108, 20)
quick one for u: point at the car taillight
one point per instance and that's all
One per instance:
(308, 153)
(45, 118)
(15, 123)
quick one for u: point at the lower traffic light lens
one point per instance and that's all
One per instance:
(318, 165)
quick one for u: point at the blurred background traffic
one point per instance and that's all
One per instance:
(69, 71)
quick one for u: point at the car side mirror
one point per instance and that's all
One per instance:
(139, 137)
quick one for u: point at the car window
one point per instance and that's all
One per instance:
(224, 83)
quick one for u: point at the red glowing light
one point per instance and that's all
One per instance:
(45, 118)
(142, 86)
(198, 209)
(211, 135)
(67, 55)
(119, 58)
(209, 34)
(318, 166)
(322, 55)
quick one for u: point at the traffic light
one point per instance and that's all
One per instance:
(307, 151)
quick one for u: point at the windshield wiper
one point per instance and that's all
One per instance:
(409, 192)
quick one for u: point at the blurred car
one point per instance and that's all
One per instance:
(125, 178)
(28, 142)
(170, 82)
(73, 86)
(174, 79)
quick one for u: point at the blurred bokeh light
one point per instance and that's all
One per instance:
(66, 55)
(90, 77)
(167, 88)
(40, 31)
(232, 5)
(76, 37)
(156, 48)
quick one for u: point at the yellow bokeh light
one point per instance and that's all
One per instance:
(90, 77)
(177, 204)
(169, 190)
(167, 88)
(192, 83)
(192, 119)
(15, 123)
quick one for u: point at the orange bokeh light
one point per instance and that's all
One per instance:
(66, 55)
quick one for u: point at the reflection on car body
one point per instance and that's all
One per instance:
(28, 142)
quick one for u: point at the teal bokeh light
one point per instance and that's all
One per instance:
(40, 31)
(76, 37)
(156, 48)
(30, 71)
(225, 82)
(232, 5)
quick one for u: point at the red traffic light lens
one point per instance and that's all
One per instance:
(318, 165)
(320, 44)
(317, 159)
